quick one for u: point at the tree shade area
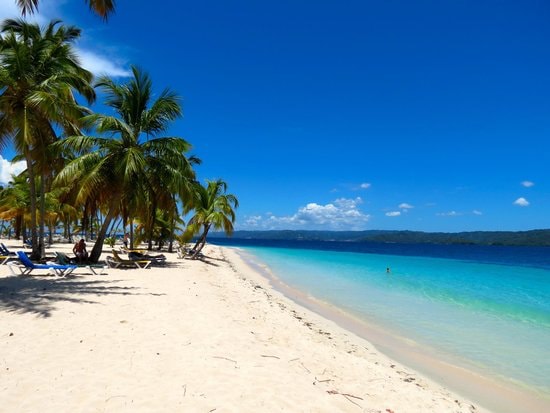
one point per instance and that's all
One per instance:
(91, 173)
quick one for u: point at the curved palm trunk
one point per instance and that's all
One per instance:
(98, 246)
(201, 242)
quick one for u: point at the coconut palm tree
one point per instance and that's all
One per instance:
(38, 73)
(213, 208)
(102, 8)
(15, 202)
(119, 169)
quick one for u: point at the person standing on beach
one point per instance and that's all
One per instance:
(126, 240)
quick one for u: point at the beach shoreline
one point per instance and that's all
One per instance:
(448, 370)
(193, 336)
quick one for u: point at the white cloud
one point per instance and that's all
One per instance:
(102, 65)
(404, 205)
(9, 10)
(253, 221)
(7, 169)
(365, 185)
(393, 213)
(342, 214)
(527, 184)
(476, 212)
(97, 63)
(522, 202)
(448, 214)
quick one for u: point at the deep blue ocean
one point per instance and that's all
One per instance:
(486, 305)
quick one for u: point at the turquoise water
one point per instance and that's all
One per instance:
(494, 317)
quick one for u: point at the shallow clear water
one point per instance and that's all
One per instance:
(496, 316)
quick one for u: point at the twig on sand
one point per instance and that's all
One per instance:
(266, 355)
(308, 370)
(225, 358)
(347, 396)
(322, 381)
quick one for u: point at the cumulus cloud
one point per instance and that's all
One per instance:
(7, 169)
(341, 214)
(253, 221)
(393, 213)
(522, 202)
(102, 65)
(476, 212)
(527, 184)
(96, 62)
(365, 185)
(404, 205)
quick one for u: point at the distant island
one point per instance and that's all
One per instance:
(538, 237)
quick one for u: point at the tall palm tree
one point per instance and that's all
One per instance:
(213, 208)
(38, 73)
(119, 169)
(102, 8)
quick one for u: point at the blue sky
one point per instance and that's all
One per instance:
(418, 115)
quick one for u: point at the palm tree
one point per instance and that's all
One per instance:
(213, 208)
(102, 8)
(118, 170)
(38, 73)
(15, 202)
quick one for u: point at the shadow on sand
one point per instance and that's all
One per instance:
(39, 295)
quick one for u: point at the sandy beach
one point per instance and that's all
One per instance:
(191, 336)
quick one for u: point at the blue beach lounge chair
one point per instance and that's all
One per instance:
(5, 251)
(29, 266)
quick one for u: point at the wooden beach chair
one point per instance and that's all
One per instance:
(28, 266)
(117, 262)
(159, 259)
(4, 258)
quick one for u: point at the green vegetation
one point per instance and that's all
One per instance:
(122, 171)
(527, 238)
(213, 208)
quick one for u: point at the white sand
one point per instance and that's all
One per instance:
(189, 337)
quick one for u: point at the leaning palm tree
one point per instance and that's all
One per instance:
(102, 8)
(213, 208)
(114, 170)
(39, 73)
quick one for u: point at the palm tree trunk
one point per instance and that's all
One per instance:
(32, 195)
(41, 225)
(132, 234)
(152, 223)
(98, 246)
(201, 242)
